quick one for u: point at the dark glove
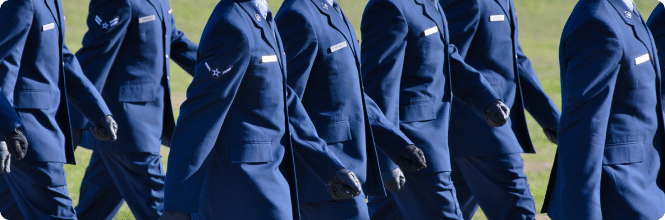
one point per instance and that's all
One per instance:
(17, 144)
(393, 180)
(551, 133)
(345, 185)
(106, 130)
(497, 114)
(175, 216)
(5, 157)
(412, 159)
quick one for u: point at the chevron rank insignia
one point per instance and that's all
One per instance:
(106, 25)
(215, 72)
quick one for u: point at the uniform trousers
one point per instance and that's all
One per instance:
(425, 196)
(354, 208)
(112, 178)
(35, 190)
(496, 183)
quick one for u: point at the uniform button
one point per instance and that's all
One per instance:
(168, 78)
(167, 56)
(516, 57)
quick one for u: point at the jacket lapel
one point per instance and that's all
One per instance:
(433, 14)
(505, 6)
(50, 4)
(633, 20)
(334, 20)
(158, 7)
(261, 23)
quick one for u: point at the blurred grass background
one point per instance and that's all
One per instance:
(540, 23)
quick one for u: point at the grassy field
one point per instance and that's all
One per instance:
(541, 22)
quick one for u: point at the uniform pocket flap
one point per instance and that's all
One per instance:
(420, 111)
(137, 92)
(251, 152)
(623, 153)
(32, 99)
(334, 132)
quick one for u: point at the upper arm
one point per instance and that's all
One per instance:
(301, 49)
(15, 22)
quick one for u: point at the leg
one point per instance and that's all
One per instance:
(499, 185)
(100, 198)
(8, 207)
(383, 208)
(140, 179)
(467, 202)
(40, 190)
(428, 196)
(336, 209)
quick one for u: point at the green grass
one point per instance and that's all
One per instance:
(541, 22)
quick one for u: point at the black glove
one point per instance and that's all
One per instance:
(106, 130)
(412, 159)
(393, 180)
(345, 185)
(17, 144)
(497, 114)
(175, 216)
(5, 157)
(551, 133)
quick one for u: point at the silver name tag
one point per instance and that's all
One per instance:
(641, 59)
(269, 59)
(47, 27)
(494, 18)
(146, 19)
(338, 46)
(431, 31)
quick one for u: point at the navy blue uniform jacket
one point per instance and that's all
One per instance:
(611, 127)
(39, 76)
(411, 71)
(236, 111)
(126, 54)
(486, 35)
(8, 117)
(323, 57)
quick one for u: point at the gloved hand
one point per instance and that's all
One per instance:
(106, 130)
(497, 114)
(5, 157)
(412, 159)
(345, 185)
(175, 216)
(551, 133)
(17, 143)
(393, 180)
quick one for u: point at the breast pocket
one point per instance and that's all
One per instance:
(251, 152)
(419, 111)
(623, 153)
(32, 99)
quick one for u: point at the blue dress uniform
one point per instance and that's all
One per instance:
(39, 76)
(611, 129)
(231, 154)
(411, 71)
(126, 54)
(323, 57)
(8, 117)
(487, 166)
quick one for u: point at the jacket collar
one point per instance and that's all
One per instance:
(337, 22)
(158, 7)
(633, 19)
(433, 14)
(261, 23)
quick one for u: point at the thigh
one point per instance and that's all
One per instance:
(99, 196)
(8, 207)
(40, 190)
(383, 208)
(336, 209)
(428, 196)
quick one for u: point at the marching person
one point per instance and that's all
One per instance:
(323, 60)
(611, 130)
(126, 53)
(411, 71)
(233, 149)
(39, 76)
(488, 170)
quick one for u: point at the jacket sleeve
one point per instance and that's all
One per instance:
(463, 19)
(469, 85)
(183, 51)
(209, 99)
(587, 92)
(81, 93)
(383, 47)
(16, 18)
(107, 25)
(8, 117)
(306, 143)
(300, 49)
(536, 101)
(387, 136)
